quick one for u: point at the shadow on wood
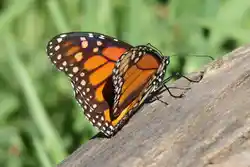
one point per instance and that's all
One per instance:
(209, 127)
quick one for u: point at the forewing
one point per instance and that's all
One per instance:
(88, 60)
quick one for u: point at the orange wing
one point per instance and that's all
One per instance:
(137, 74)
(88, 60)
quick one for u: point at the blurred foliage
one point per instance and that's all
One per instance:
(40, 122)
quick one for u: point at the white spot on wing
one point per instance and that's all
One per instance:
(59, 56)
(82, 74)
(137, 59)
(57, 48)
(83, 82)
(59, 40)
(63, 35)
(82, 38)
(64, 63)
(75, 69)
(111, 127)
(101, 37)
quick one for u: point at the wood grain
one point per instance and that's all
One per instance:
(209, 127)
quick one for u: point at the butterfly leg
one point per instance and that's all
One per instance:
(160, 90)
(157, 98)
(176, 74)
(151, 100)
(154, 98)
(171, 94)
(172, 76)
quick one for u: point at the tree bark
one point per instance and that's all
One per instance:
(208, 127)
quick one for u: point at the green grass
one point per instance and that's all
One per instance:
(40, 122)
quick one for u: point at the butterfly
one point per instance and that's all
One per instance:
(111, 78)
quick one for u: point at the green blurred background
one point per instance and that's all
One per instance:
(40, 122)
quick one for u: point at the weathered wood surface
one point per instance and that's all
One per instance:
(209, 127)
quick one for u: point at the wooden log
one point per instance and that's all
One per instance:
(209, 127)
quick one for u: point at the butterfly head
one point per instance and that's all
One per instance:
(165, 60)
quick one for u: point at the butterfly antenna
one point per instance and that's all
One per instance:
(149, 44)
(207, 56)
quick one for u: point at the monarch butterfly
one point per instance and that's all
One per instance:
(110, 78)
